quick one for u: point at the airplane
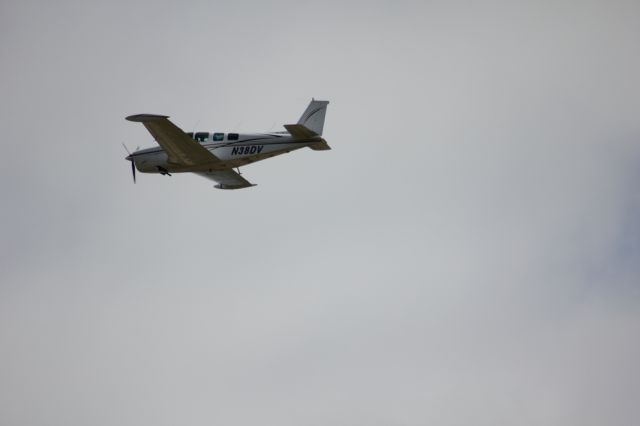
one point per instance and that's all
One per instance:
(214, 155)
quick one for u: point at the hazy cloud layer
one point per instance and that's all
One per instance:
(467, 254)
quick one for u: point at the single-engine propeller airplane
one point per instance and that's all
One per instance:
(215, 155)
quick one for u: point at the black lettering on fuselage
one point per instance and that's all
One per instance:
(247, 150)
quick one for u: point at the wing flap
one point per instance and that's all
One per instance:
(180, 148)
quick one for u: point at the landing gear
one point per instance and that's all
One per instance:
(163, 171)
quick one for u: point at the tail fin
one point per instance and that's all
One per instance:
(313, 117)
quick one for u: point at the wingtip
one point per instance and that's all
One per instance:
(225, 186)
(141, 118)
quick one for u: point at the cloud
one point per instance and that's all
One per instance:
(467, 252)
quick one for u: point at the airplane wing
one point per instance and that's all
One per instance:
(226, 179)
(180, 148)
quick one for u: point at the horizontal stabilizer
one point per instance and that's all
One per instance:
(320, 146)
(298, 131)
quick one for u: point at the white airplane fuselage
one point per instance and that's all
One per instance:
(240, 150)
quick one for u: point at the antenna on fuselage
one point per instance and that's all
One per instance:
(193, 129)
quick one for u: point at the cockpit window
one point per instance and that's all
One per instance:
(202, 136)
(218, 136)
(232, 136)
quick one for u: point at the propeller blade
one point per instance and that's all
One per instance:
(133, 164)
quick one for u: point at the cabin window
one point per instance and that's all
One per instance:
(232, 136)
(218, 136)
(202, 136)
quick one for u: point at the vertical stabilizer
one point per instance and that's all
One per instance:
(313, 117)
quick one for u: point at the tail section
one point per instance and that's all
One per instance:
(313, 117)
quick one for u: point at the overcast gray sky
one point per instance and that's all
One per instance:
(468, 252)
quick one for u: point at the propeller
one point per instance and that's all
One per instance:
(133, 171)
(133, 164)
